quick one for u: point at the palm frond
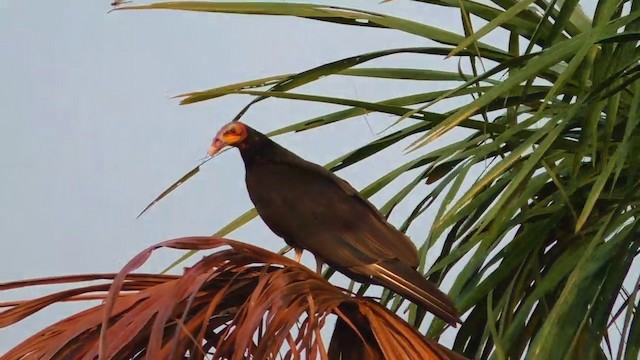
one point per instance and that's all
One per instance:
(238, 302)
(531, 208)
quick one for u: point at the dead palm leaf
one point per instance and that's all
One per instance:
(239, 302)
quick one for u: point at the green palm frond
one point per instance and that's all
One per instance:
(535, 197)
(552, 217)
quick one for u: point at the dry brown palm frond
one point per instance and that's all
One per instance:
(239, 302)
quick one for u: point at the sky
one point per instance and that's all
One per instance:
(89, 134)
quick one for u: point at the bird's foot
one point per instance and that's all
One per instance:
(298, 256)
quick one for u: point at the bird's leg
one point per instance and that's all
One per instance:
(319, 264)
(298, 254)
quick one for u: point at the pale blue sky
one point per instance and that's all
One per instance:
(89, 134)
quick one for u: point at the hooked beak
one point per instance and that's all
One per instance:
(216, 146)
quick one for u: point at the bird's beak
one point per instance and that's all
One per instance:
(216, 146)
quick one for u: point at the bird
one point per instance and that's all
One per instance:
(313, 209)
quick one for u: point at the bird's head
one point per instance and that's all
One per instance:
(232, 134)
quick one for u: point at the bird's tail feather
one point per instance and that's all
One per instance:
(408, 282)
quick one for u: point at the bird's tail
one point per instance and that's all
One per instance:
(408, 282)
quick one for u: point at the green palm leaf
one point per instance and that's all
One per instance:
(532, 203)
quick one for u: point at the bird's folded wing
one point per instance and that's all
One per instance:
(364, 227)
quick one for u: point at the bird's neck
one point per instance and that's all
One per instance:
(258, 150)
(263, 151)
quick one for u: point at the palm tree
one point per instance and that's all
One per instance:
(534, 201)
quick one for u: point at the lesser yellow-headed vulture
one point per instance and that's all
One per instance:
(313, 209)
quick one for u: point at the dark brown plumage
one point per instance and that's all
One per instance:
(313, 209)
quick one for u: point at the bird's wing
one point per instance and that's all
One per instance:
(369, 233)
(343, 184)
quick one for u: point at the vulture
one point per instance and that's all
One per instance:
(313, 209)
